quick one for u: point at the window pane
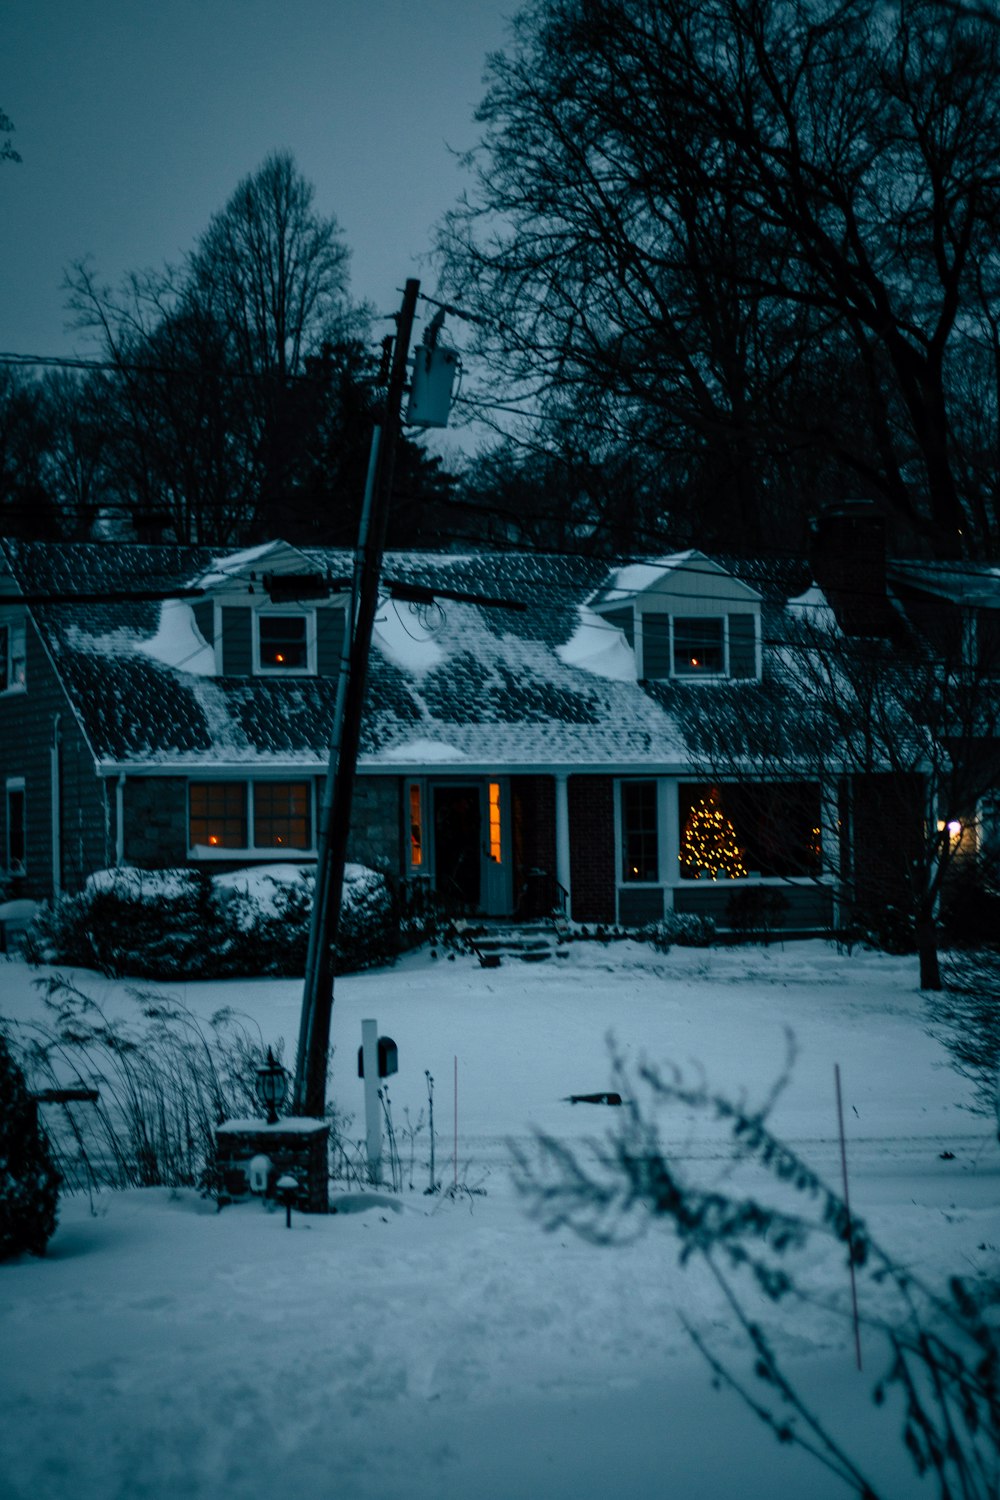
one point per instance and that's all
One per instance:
(416, 827)
(762, 828)
(281, 817)
(219, 814)
(640, 849)
(283, 642)
(698, 646)
(17, 674)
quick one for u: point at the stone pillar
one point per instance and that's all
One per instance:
(299, 1146)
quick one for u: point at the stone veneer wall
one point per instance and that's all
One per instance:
(156, 834)
(377, 824)
(592, 848)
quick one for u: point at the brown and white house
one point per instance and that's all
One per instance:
(511, 759)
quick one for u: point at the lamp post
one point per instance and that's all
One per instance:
(272, 1086)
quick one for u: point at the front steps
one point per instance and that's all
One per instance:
(528, 942)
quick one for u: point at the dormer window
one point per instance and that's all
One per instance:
(283, 643)
(699, 647)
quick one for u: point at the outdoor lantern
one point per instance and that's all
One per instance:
(272, 1085)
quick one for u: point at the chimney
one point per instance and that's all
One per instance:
(848, 556)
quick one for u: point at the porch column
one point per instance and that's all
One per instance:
(562, 835)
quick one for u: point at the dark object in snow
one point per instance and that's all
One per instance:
(593, 1099)
(489, 960)
(947, 1156)
(29, 1182)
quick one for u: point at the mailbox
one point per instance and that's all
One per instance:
(388, 1058)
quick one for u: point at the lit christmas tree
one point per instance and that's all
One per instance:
(709, 846)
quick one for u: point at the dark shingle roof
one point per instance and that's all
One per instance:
(454, 683)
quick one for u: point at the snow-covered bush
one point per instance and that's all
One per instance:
(683, 928)
(186, 924)
(29, 1182)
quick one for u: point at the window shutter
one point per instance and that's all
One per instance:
(655, 645)
(330, 624)
(742, 646)
(237, 641)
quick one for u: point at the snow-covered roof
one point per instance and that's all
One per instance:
(449, 683)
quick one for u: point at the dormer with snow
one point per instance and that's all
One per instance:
(267, 613)
(685, 618)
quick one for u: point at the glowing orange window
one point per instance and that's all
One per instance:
(416, 828)
(494, 801)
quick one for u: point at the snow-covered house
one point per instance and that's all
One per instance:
(162, 706)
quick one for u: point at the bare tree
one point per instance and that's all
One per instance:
(899, 738)
(757, 240)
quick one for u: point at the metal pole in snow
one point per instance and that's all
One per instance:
(847, 1205)
(455, 1157)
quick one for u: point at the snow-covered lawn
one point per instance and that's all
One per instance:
(448, 1347)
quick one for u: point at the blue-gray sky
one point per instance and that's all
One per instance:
(135, 120)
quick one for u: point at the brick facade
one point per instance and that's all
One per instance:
(592, 848)
(533, 828)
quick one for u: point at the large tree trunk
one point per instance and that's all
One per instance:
(927, 950)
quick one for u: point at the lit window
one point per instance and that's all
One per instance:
(283, 644)
(281, 815)
(494, 800)
(640, 843)
(416, 828)
(12, 658)
(219, 814)
(754, 828)
(699, 648)
(16, 842)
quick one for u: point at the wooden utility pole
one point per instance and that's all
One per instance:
(317, 996)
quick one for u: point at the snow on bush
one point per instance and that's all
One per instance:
(185, 923)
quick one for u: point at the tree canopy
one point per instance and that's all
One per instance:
(755, 243)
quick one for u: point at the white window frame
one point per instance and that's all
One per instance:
(309, 615)
(16, 786)
(271, 853)
(723, 673)
(662, 833)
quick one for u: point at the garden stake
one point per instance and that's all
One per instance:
(847, 1206)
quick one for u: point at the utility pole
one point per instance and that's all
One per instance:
(335, 822)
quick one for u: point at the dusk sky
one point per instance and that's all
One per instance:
(135, 121)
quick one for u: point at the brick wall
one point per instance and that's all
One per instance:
(592, 848)
(533, 818)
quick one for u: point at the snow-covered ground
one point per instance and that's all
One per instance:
(448, 1347)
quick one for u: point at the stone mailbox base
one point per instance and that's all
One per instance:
(299, 1146)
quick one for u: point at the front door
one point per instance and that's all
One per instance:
(458, 843)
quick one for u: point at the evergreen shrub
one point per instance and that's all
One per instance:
(29, 1182)
(187, 924)
(683, 928)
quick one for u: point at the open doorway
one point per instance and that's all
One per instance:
(458, 844)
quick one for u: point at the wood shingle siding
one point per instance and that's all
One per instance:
(28, 722)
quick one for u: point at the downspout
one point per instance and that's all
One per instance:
(55, 795)
(120, 820)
